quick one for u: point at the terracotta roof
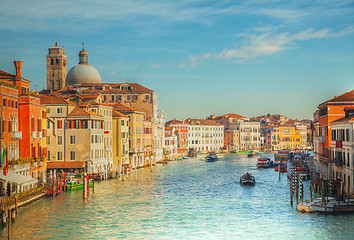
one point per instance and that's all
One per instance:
(233, 115)
(66, 165)
(343, 120)
(123, 108)
(53, 99)
(167, 135)
(117, 114)
(345, 97)
(174, 122)
(78, 111)
(5, 75)
(201, 122)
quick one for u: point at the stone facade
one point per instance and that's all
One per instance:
(56, 68)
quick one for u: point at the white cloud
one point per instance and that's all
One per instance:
(265, 44)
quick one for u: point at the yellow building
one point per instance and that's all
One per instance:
(136, 134)
(289, 137)
(120, 133)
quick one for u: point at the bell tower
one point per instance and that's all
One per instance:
(56, 68)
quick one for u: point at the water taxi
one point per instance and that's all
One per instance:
(264, 163)
(212, 157)
(247, 179)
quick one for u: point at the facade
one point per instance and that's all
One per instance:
(250, 135)
(120, 148)
(136, 134)
(148, 143)
(205, 135)
(231, 140)
(170, 144)
(182, 134)
(342, 167)
(328, 112)
(159, 136)
(56, 68)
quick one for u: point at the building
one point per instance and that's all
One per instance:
(56, 68)
(120, 132)
(205, 135)
(148, 143)
(170, 143)
(327, 112)
(250, 135)
(136, 134)
(341, 167)
(231, 140)
(182, 134)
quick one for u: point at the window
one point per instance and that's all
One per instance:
(57, 61)
(60, 124)
(119, 97)
(72, 155)
(72, 139)
(48, 155)
(135, 97)
(112, 98)
(147, 97)
(122, 123)
(128, 97)
(48, 140)
(59, 110)
(60, 156)
(52, 61)
(60, 140)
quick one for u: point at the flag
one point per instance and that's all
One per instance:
(6, 166)
(2, 157)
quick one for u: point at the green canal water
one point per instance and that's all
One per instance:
(188, 199)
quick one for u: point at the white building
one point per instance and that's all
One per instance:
(341, 167)
(250, 134)
(159, 136)
(205, 135)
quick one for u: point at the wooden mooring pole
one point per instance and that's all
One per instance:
(9, 224)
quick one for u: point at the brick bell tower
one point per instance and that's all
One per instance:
(56, 68)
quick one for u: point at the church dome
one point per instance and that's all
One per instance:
(83, 72)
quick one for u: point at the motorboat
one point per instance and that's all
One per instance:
(251, 155)
(212, 157)
(247, 179)
(328, 204)
(264, 163)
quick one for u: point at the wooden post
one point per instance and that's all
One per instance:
(9, 225)
(310, 193)
(83, 187)
(280, 167)
(88, 184)
(16, 206)
(93, 183)
(297, 190)
(291, 189)
(122, 173)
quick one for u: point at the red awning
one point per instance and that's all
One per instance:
(66, 165)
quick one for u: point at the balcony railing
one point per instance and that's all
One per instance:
(33, 134)
(17, 135)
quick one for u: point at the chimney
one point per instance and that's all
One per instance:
(18, 66)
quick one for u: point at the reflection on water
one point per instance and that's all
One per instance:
(187, 199)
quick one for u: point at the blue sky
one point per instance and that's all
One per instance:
(202, 57)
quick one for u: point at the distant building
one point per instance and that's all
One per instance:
(205, 135)
(182, 134)
(120, 146)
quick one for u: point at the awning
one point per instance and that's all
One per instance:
(18, 179)
(65, 165)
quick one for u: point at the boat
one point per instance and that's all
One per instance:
(264, 163)
(247, 179)
(178, 159)
(250, 155)
(74, 185)
(185, 157)
(282, 168)
(212, 157)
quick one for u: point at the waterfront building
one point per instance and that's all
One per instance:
(231, 140)
(326, 113)
(148, 142)
(227, 119)
(159, 136)
(120, 132)
(341, 167)
(182, 134)
(136, 134)
(170, 143)
(250, 135)
(205, 135)
(56, 68)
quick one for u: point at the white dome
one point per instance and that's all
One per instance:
(83, 73)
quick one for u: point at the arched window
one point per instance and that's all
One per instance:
(52, 61)
(57, 61)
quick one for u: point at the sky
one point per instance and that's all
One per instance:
(202, 57)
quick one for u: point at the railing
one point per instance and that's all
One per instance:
(16, 135)
(33, 134)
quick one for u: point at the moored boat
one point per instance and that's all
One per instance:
(247, 179)
(264, 163)
(250, 155)
(74, 185)
(212, 157)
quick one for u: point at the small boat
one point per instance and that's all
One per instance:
(318, 205)
(282, 168)
(212, 157)
(178, 159)
(73, 185)
(264, 163)
(247, 179)
(185, 157)
(250, 155)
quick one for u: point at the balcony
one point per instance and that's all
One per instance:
(33, 135)
(133, 150)
(108, 149)
(40, 135)
(322, 139)
(338, 144)
(16, 135)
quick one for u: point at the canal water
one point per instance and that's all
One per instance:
(188, 199)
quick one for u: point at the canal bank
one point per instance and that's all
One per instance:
(188, 199)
